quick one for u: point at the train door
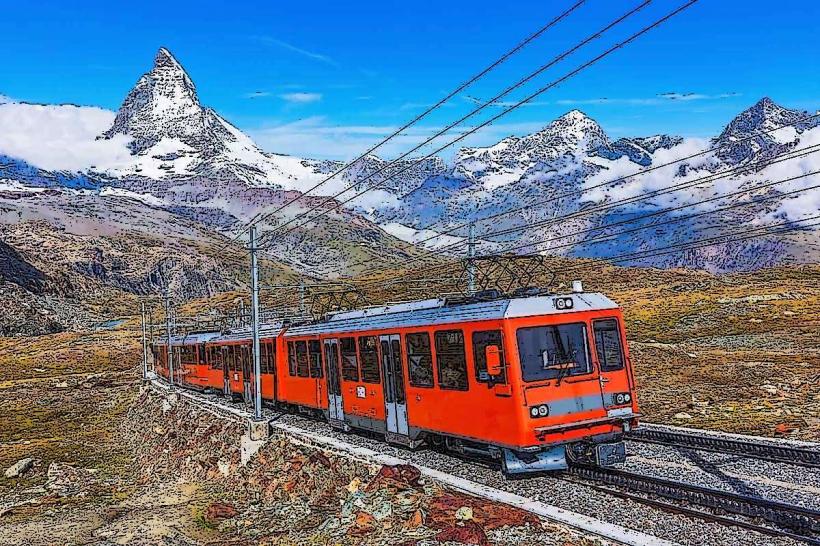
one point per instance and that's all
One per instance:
(611, 360)
(335, 406)
(247, 367)
(394, 395)
(226, 370)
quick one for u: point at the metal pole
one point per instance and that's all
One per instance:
(144, 342)
(257, 368)
(470, 259)
(301, 298)
(168, 333)
(151, 337)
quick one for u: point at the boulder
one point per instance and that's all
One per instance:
(219, 511)
(19, 468)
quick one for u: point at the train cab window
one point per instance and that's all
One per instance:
(291, 359)
(302, 363)
(315, 349)
(608, 344)
(420, 359)
(482, 340)
(350, 360)
(369, 355)
(553, 352)
(452, 362)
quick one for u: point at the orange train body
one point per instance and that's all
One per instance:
(537, 382)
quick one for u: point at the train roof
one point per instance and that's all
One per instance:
(431, 312)
(437, 312)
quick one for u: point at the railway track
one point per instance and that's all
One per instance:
(789, 521)
(717, 444)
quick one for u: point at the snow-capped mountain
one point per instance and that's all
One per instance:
(763, 116)
(173, 136)
(565, 183)
(165, 150)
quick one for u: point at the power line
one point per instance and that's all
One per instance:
(424, 114)
(693, 245)
(712, 177)
(603, 184)
(501, 114)
(581, 191)
(610, 236)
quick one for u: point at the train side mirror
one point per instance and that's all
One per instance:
(492, 354)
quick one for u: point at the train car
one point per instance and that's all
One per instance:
(536, 381)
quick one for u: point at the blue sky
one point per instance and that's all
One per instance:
(326, 79)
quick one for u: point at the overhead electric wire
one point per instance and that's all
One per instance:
(581, 191)
(692, 245)
(566, 13)
(603, 184)
(610, 236)
(530, 97)
(712, 177)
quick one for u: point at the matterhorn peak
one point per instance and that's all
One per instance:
(162, 105)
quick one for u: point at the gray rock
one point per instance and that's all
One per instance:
(19, 468)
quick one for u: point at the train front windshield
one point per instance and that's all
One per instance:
(550, 352)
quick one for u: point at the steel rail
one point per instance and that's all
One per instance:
(804, 522)
(755, 450)
(700, 514)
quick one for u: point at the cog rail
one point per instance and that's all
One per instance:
(795, 521)
(767, 452)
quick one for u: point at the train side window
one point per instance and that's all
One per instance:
(452, 362)
(267, 357)
(315, 349)
(420, 359)
(291, 359)
(350, 360)
(214, 358)
(369, 355)
(201, 353)
(482, 340)
(230, 357)
(302, 364)
(608, 344)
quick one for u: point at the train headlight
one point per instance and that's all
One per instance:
(563, 303)
(539, 411)
(627, 398)
(619, 398)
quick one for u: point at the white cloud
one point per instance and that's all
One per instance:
(315, 135)
(257, 94)
(661, 98)
(60, 137)
(301, 98)
(801, 205)
(303, 52)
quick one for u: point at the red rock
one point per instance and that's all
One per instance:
(218, 511)
(363, 525)
(784, 428)
(468, 533)
(399, 477)
(490, 515)
(320, 458)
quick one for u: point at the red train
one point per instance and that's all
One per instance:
(535, 381)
